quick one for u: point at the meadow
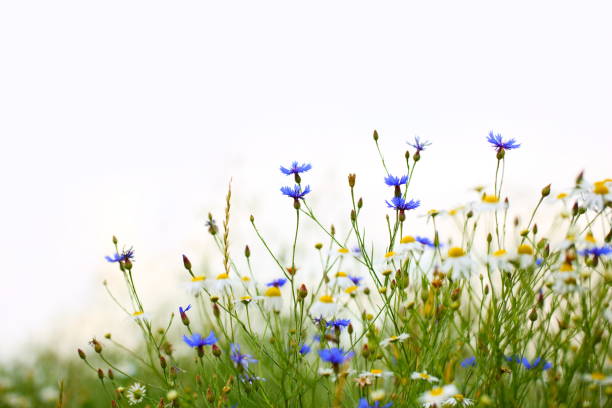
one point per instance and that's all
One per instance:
(489, 309)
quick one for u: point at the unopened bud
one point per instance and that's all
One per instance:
(351, 180)
(318, 245)
(533, 316)
(252, 218)
(216, 350)
(82, 354)
(115, 240)
(247, 251)
(162, 362)
(302, 291)
(210, 395)
(216, 310)
(500, 154)
(489, 237)
(110, 374)
(375, 136)
(365, 351)
(535, 229)
(407, 155)
(353, 215)
(546, 191)
(350, 328)
(360, 202)
(100, 374)
(186, 263)
(417, 156)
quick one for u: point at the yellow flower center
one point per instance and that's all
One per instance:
(424, 376)
(566, 267)
(376, 371)
(135, 314)
(590, 238)
(499, 253)
(433, 212)
(598, 376)
(246, 298)
(436, 391)
(246, 279)
(222, 276)
(343, 251)
(389, 254)
(198, 278)
(561, 196)
(490, 199)
(601, 188)
(326, 299)
(456, 252)
(387, 272)
(272, 291)
(453, 212)
(407, 239)
(459, 397)
(393, 338)
(525, 249)
(350, 289)
(341, 275)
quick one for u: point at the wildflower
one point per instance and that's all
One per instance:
(272, 299)
(596, 195)
(124, 256)
(377, 373)
(500, 259)
(140, 316)
(339, 252)
(468, 362)
(598, 378)
(393, 256)
(342, 280)
(363, 403)
(393, 181)
(526, 255)
(418, 145)
(565, 280)
(400, 204)
(305, 349)
(136, 393)
(535, 363)
(490, 203)
(596, 251)
(220, 283)
(409, 243)
(335, 355)
(183, 314)
(211, 224)
(296, 192)
(394, 339)
(325, 307)
(296, 168)
(250, 379)
(240, 360)
(425, 241)
(244, 301)
(424, 376)
(458, 262)
(196, 340)
(363, 381)
(195, 285)
(499, 144)
(438, 395)
(460, 400)
(277, 283)
(338, 324)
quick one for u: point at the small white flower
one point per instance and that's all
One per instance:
(596, 195)
(458, 263)
(566, 280)
(325, 307)
(377, 373)
(141, 316)
(500, 259)
(460, 400)
(196, 285)
(489, 203)
(341, 280)
(438, 395)
(220, 283)
(409, 243)
(424, 376)
(273, 300)
(394, 339)
(597, 378)
(525, 255)
(136, 393)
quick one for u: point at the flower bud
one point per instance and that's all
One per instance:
(100, 374)
(375, 136)
(360, 202)
(252, 218)
(365, 351)
(500, 154)
(533, 316)
(186, 263)
(210, 395)
(247, 251)
(110, 374)
(172, 395)
(216, 310)
(216, 350)
(407, 155)
(96, 345)
(162, 362)
(302, 291)
(115, 240)
(417, 156)
(82, 354)
(353, 216)
(489, 238)
(200, 350)
(351, 180)
(318, 246)
(546, 191)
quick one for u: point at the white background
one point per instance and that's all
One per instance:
(130, 117)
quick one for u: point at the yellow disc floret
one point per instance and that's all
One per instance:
(198, 278)
(408, 239)
(500, 252)
(600, 187)
(490, 199)
(326, 299)
(525, 249)
(272, 291)
(456, 252)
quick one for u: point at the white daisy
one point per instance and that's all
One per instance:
(196, 285)
(489, 203)
(272, 299)
(438, 395)
(566, 280)
(500, 259)
(460, 400)
(525, 255)
(424, 376)
(325, 307)
(220, 283)
(409, 243)
(597, 378)
(141, 316)
(596, 195)
(377, 373)
(342, 280)
(394, 339)
(136, 393)
(458, 263)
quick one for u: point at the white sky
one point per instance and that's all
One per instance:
(129, 118)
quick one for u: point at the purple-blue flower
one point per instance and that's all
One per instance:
(356, 280)
(338, 323)
(182, 311)
(363, 403)
(418, 145)
(425, 241)
(125, 255)
(395, 181)
(196, 339)
(296, 192)
(468, 362)
(335, 355)
(305, 349)
(399, 203)
(296, 168)
(597, 251)
(529, 365)
(278, 283)
(239, 359)
(498, 143)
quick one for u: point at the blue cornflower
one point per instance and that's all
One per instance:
(363, 403)
(239, 359)
(525, 362)
(425, 241)
(498, 143)
(296, 168)
(399, 203)
(468, 362)
(338, 323)
(295, 192)
(395, 181)
(305, 349)
(418, 145)
(335, 355)
(183, 314)
(596, 251)
(277, 283)
(125, 255)
(182, 311)
(356, 279)
(196, 340)
(539, 261)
